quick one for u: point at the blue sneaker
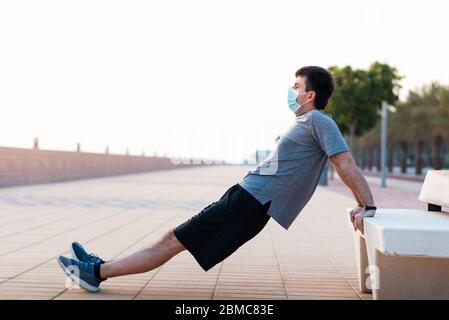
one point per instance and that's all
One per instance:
(81, 254)
(82, 273)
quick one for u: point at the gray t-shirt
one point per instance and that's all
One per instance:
(290, 174)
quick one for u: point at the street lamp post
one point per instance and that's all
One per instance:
(383, 144)
(323, 178)
(383, 140)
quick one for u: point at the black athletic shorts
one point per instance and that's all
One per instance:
(223, 226)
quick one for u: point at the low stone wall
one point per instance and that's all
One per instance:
(32, 166)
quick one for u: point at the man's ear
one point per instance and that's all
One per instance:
(312, 95)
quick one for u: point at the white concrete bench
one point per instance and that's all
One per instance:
(404, 254)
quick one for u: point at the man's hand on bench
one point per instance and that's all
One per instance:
(357, 215)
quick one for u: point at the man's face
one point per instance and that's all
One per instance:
(300, 84)
(304, 96)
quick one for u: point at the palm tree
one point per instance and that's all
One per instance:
(420, 123)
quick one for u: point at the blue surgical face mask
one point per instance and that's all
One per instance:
(292, 102)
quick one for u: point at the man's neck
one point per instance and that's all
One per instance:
(304, 110)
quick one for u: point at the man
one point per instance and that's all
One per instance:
(279, 188)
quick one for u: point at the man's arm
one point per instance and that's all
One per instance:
(349, 173)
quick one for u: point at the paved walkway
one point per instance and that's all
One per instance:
(115, 216)
(398, 194)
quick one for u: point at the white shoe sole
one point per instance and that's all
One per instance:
(83, 284)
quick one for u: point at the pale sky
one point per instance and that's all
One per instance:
(192, 78)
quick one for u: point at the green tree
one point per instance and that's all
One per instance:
(423, 119)
(358, 95)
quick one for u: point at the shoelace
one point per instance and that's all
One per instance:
(84, 266)
(97, 258)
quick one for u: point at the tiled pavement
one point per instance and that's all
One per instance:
(399, 194)
(115, 216)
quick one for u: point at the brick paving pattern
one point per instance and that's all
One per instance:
(115, 216)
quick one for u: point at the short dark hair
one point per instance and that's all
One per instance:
(319, 80)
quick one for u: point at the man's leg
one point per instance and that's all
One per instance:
(144, 260)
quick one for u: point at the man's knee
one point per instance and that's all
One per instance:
(172, 242)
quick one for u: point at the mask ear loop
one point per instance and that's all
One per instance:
(305, 93)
